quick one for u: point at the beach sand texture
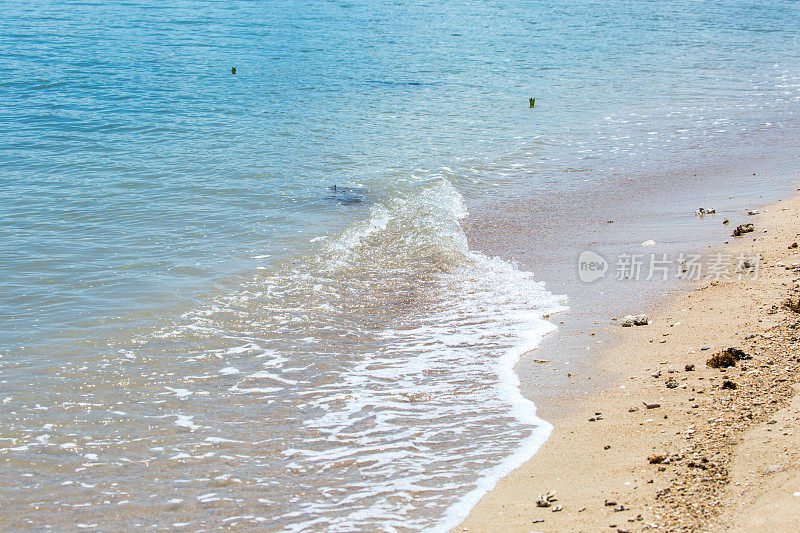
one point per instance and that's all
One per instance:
(708, 457)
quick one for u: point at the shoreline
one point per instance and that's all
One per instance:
(589, 465)
(545, 231)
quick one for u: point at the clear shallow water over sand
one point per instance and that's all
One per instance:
(198, 332)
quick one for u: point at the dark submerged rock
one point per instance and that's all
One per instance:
(346, 195)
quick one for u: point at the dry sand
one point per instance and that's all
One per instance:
(707, 458)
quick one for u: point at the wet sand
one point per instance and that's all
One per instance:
(544, 231)
(708, 457)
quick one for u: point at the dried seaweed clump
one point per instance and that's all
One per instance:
(792, 305)
(741, 229)
(727, 358)
(721, 360)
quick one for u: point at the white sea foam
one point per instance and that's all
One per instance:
(186, 421)
(508, 282)
(483, 303)
(384, 366)
(180, 393)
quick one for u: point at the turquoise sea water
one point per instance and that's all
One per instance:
(190, 311)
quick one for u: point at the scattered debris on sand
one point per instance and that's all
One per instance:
(741, 229)
(792, 305)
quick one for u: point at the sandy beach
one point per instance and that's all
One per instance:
(673, 444)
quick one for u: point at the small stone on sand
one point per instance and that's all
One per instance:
(635, 320)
